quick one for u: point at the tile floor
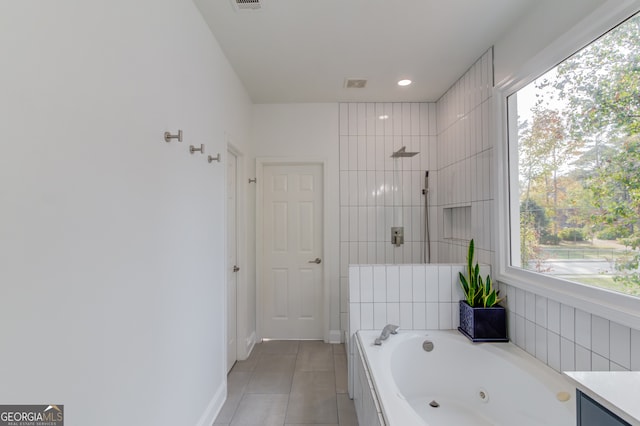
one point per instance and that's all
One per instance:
(289, 383)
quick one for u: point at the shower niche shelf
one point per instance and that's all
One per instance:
(457, 223)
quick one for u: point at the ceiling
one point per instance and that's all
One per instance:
(303, 50)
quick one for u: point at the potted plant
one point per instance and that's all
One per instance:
(481, 318)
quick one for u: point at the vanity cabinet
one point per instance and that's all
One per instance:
(606, 398)
(591, 413)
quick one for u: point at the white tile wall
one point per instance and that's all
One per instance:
(583, 328)
(566, 338)
(553, 316)
(635, 350)
(567, 355)
(384, 294)
(553, 350)
(600, 336)
(620, 345)
(378, 192)
(567, 322)
(465, 153)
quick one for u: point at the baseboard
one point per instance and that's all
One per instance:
(250, 342)
(335, 336)
(214, 406)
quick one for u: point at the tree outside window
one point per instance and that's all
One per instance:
(578, 149)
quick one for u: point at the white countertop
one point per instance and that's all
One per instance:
(618, 391)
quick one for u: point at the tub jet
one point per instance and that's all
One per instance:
(434, 404)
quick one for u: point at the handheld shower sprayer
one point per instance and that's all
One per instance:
(426, 251)
(425, 190)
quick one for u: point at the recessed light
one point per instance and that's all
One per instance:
(383, 117)
(404, 82)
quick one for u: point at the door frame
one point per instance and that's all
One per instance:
(243, 342)
(231, 154)
(261, 163)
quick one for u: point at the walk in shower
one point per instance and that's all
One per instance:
(385, 150)
(397, 229)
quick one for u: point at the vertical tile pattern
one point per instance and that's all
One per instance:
(378, 192)
(583, 328)
(620, 345)
(412, 296)
(566, 338)
(635, 350)
(600, 336)
(461, 188)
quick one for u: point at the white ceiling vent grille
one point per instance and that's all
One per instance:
(247, 5)
(355, 83)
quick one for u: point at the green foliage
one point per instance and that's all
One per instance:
(529, 238)
(572, 234)
(478, 292)
(608, 234)
(617, 193)
(536, 215)
(579, 152)
(629, 276)
(552, 240)
(545, 148)
(602, 82)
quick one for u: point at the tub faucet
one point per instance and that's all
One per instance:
(386, 331)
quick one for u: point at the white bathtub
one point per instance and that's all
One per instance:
(474, 384)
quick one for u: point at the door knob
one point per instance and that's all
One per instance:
(235, 268)
(317, 260)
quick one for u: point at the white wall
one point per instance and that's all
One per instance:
(111, 240)
(298, 131)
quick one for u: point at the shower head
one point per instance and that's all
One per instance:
(401, 153)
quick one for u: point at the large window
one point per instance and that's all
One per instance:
(574, 147)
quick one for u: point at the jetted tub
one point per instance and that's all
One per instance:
(458, 383)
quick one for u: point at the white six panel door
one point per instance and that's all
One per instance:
(292, 270)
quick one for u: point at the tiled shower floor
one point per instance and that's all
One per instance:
(289, 383)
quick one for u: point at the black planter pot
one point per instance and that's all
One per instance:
(483, 324)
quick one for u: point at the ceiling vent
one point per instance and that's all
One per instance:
(355, 83)
(247, 5)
